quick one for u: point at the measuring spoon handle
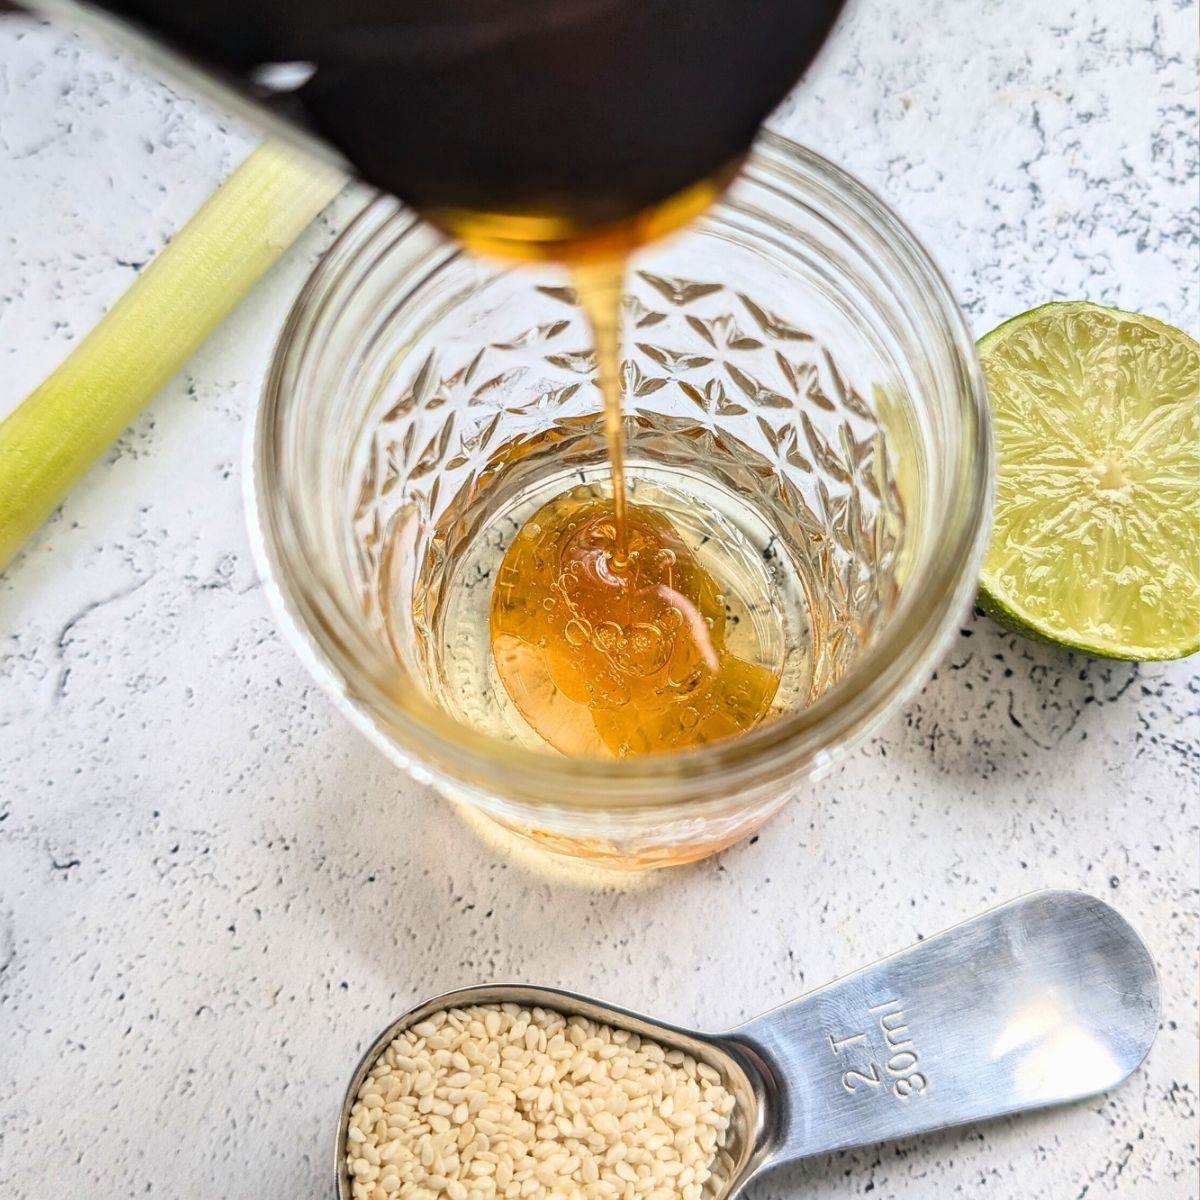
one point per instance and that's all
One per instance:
(1049, 998)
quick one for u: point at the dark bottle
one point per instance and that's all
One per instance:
(587, 111)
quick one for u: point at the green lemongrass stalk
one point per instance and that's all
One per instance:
(64, 425)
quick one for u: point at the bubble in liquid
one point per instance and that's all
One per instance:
(608, 637)
(672, 618)
(686, 684)
(577, 632)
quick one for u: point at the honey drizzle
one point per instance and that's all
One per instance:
(607, 632)
(599, 286)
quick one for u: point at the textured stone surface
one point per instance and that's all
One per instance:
(213, 893)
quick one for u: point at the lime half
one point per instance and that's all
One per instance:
(1096, 538)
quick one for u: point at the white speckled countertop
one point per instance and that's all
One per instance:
(213, 893)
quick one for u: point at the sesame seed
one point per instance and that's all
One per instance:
(500, 1102)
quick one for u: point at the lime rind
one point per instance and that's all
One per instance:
(1098, 431)
(1011, 619)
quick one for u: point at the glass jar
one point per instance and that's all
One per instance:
(795, 351)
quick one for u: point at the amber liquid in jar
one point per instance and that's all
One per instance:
(618, 646)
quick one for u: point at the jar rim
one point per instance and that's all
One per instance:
(436, 747)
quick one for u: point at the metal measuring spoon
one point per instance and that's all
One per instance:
(1049, 998)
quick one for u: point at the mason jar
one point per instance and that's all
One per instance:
(793, 358)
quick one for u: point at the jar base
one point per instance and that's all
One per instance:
(552, 848)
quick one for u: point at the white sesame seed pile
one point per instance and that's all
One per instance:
(503, 1101)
